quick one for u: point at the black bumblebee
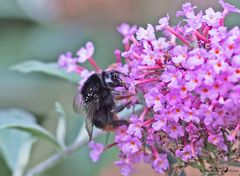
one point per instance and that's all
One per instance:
(97, 94)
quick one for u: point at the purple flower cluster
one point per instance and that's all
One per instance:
(97, 149)
(189, 84)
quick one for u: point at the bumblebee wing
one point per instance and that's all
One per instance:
(89, 127)
(78, 102)
(91, 108)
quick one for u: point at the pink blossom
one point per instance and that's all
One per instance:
(228, 8)
(147, 34)
(185, 154)
(135, 128)
(161, 121)
(196, 58)
(187, 80)
(218, 141)
(127, 31)
(174, 130)
(131, 145)
(180, 54)
(163, 22)
(67, 61)
(187, 10)
(149, 58)
(154, 98)
(126, 166)
(160, 164)
(194, 80)
(212, 18)
(97, 149)
(85, 52)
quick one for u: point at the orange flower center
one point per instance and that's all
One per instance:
(216, 86)
(219, 64)
(174, 128)
(184, 89)
(230, 46)
(217, 51)
(205, 90)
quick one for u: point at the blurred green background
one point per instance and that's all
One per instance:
(42, 30)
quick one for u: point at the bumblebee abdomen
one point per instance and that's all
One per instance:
(100, 119)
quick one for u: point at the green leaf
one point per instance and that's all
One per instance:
(15, 148)
(15, 145)
(61, 127)
(48, 68)
(24, 155)
(13, 118)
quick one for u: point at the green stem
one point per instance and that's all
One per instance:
(55, 158)
(80, 141)
(202, 166)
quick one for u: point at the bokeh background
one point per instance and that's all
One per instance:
(42, 30)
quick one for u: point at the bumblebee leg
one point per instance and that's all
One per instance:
(114, 92)
(116, 84)
(120, 97)
(119, 108)
(117, 123)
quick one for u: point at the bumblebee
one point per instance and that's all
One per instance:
(97, 96)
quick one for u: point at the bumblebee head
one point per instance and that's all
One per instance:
(112, 79)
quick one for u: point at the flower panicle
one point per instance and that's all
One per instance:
(188, 80)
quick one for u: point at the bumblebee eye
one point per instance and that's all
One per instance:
(115, 77)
